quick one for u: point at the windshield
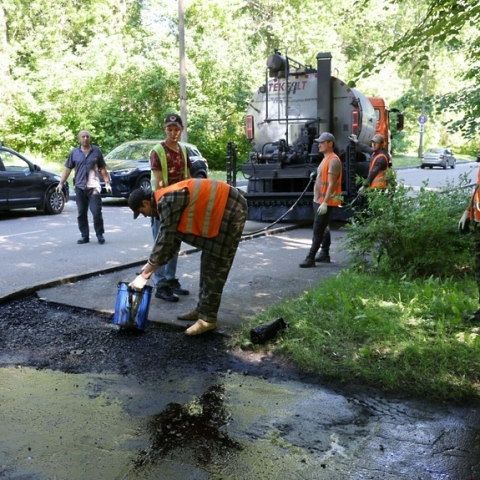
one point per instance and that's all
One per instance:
(131, 151)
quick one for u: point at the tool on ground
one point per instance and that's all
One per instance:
(263, 333)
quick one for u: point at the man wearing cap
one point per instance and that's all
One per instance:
(327, 193)
(206, 213)
(379, 163)
(169, 164)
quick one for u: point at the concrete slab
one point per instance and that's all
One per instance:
(265, 272)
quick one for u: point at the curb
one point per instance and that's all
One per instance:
(25, 292)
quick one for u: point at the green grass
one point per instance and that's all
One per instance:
(399, 335)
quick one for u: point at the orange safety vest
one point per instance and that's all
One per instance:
(334, 200)
(380, 181)
(204, 213)
(474, 207)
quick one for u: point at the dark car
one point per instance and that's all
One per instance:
(129, 166)
(24, 184)
(438, 157)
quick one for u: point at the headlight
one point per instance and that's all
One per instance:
(123, 172)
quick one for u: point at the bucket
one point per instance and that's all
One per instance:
(131, 307)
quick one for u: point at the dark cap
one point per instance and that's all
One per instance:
(136, 198)
(325, 137)
(173, 119)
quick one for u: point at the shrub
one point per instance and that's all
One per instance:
(412, 233)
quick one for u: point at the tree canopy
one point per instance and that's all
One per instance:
(113, 66)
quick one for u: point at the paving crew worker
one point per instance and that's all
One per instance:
(379, 163)
(472, 214)
(327, 193)
(206, 213)
(88, 162)
(169, 163)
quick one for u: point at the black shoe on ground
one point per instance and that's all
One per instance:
(472, 317)
(101, 239)
(177, 288)
(166, 293)
(307, 263)
(322, 257)
(83, 240)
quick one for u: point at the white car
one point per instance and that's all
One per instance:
(438, 157)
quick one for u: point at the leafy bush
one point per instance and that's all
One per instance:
(412, 233)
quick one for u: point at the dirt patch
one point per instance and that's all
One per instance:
(46, 336)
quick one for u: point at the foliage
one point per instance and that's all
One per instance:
(411, 233)
(390, 332)
(447, 26)
(113, 67)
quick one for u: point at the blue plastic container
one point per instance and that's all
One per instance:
(131, 307)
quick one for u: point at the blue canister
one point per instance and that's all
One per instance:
(131, 307)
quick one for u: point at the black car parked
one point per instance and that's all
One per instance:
(129, 166)
(24, 184)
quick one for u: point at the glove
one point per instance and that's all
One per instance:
(322, 209)
(353, 138)
(108, 188)
(143, 268)
(58, 188)
(313, 175)
(138, 283)
(464, 223)
(361, 190)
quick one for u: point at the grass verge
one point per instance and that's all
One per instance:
(399, 335)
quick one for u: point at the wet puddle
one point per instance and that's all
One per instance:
(227, 426)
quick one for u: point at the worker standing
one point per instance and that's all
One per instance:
(472, 214)
(379, 163)
(327, 193)
(169, 163)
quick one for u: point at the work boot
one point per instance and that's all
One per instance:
(322, 257)
(307, 263)
(199, 327)
(166, 293)
(190, 316)
(177, 288)
(83, 240)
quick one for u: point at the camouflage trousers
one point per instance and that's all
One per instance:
(214, 269)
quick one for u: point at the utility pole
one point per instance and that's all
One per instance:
(183, 76)
(422, 118)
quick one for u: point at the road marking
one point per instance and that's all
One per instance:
(24, 233)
